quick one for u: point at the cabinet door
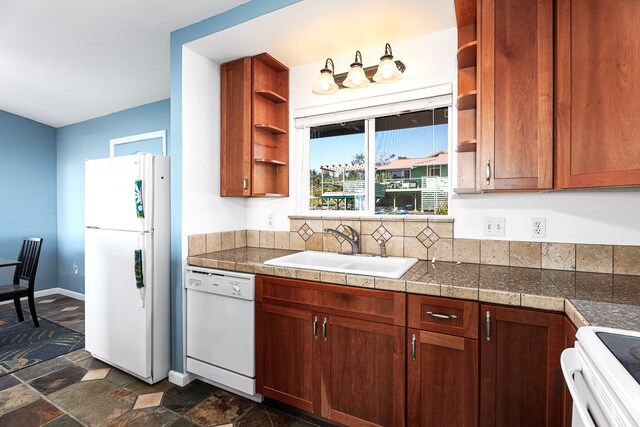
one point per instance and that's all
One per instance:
(516, 94)
(235, 128)
(442, 380)
(521, 379)
(363, 376)
(286, 367)
(598, 93)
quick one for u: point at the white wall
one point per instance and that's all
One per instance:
(603, 216)
(203, 210)
(429, 62)
(606, 216)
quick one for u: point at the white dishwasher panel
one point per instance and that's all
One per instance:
(220, 331)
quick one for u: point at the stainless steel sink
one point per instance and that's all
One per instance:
(390, 267)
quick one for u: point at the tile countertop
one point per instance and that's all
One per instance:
(609, 300)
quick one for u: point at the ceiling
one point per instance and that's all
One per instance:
(311, 30)
(65, 61)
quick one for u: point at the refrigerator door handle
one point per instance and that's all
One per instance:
(139, 202)
(138, 268)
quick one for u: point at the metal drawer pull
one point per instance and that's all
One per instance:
(413, 346)
(315, 327)
(442, 316)
(488, 327)
(488, 172)
(245, 183)
(324, 329)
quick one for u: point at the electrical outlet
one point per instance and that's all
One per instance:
(539, 227)
(270, 221)
(493, 226)
(76, 268)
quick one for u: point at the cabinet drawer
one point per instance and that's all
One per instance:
(448, 316)
(367, 304)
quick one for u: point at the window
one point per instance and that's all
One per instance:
(390, 164)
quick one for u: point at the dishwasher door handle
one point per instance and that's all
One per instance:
(571, 365)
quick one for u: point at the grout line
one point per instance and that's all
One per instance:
(45, 398)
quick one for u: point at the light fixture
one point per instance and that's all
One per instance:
(387, 70)
(356, 77)
(325, 85)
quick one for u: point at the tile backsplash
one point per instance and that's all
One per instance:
(425, 238)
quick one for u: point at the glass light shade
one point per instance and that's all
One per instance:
(387, 71)
(356, 78)
(325, 85)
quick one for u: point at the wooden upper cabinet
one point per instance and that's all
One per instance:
(254, 123)
(521, 380)
(516, 94)
(235, 128)
(598, 93)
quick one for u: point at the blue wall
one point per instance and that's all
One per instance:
(28, 196)
(240, 14)
(75, 144)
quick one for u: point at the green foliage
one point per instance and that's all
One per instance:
(443, 209)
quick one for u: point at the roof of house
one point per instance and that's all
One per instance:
(439, 158)
(343, 168)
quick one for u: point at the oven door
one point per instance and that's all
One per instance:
(587, 410)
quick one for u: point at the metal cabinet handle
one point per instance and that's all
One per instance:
(488, 327)
(413, 346)
(315, 327)
(245, 183)
(488, 172)
(442, 316)
(324, 329)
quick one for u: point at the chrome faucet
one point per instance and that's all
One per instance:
(354, 239)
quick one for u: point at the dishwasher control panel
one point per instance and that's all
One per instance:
(221, 282)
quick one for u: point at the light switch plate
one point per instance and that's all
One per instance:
(493, 226)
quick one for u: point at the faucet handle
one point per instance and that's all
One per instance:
(352, 231)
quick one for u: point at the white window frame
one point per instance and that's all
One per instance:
(418, 100)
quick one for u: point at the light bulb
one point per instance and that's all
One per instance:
(357, 81)
(324, 86)
(387, 74)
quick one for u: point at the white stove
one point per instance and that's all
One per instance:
(602, 373)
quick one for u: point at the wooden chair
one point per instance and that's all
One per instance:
(29, 256)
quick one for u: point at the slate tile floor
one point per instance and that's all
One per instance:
(78, 390)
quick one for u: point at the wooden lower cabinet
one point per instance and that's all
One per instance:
(521, 380)
(363, 373)
(442, 380)
(342, 368)
(287, 368)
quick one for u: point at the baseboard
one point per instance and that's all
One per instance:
(70, 294)
(53, 291)
(179, 378)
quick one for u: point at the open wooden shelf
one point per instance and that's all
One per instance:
(467, 54)
(271, 129)
(466, 146)
(271, 96)
(465, 191)
(467, 101)
(271, 162)
(269, 195)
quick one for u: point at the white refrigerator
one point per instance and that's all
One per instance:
(127, 254)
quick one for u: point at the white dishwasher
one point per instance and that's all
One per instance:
(220, 317)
